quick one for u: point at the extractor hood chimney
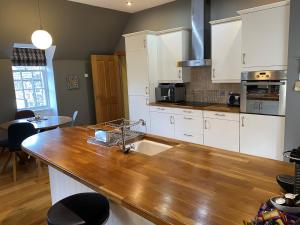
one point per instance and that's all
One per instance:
(200, 35)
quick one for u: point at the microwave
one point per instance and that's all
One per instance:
(166, 92)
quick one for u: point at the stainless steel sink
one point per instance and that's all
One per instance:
(149, 147)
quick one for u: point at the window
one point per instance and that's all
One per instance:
(31, 87)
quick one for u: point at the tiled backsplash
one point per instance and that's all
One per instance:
(201, 88)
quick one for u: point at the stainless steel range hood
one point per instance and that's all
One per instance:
(200, 35)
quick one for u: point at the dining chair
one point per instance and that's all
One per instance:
(23, 114)
(3, 140)
(74, 117)
(17, 133)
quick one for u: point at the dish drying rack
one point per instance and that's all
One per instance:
(120, 132)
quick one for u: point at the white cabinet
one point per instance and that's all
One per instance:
(262, 135)
(139, 109)
(265, 34)
(141, 57)
(221, 130)
(173, 47)
(189, 128)
(226, 50)
(162, 124)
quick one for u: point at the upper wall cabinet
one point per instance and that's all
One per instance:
(141, 57)
(265, 34)
(173, 47)
(226, 50)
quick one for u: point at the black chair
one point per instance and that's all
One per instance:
(80, 209)
(17, 133)
(23, 114)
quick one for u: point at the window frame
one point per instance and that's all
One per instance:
(43, 71)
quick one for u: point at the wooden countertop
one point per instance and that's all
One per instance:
(214, 107)
(187, 184)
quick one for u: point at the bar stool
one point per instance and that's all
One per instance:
(80, 209)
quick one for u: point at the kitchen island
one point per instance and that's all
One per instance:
(187, 184)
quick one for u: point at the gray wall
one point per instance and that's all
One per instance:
(77, 99)
(7, 93)
(78, 30)
(292, 132)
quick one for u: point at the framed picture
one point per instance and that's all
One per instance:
(72, 82)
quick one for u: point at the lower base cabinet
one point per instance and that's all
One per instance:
(139, 109)
(221, 130)
(162, 124)
(262, 135)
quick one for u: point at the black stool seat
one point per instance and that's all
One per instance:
(80, 209)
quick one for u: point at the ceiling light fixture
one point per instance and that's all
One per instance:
(129, 3)
(41, 38)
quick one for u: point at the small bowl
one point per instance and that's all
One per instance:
(283, 208)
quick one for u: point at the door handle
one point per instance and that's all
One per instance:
(146, 90)
(179, 74)
(243, 60)
(243, 121)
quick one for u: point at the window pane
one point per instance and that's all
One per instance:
(18, 85)
(19, 95)
(38, 84)
(40, 97)
(27, 75)
(17, 75)
(29, 98)
(20, 104)
(37, 75)
(27, 84)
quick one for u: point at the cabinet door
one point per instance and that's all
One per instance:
(162, 124)
(172, 49)
(262, 135)
(189, 128)
(226, 52)
(222, 134)
(137, 72)
(265, 39)
(139, 109)
(136, 42)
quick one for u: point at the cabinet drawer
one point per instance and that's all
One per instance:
(221, 115)
(161, 109)
(193, 137)
(189, 112)
(188, 123)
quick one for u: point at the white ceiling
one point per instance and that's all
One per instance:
(120, 5)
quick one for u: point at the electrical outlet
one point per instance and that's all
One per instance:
(86, 75)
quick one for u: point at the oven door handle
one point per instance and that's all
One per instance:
(264, 83)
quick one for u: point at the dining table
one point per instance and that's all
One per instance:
(42, 123)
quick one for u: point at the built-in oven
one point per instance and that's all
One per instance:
(264, 92)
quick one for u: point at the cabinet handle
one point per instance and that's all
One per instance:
(243, 121)
(187, 118)
(147, 101)
(147, 90)
(186, 111)
(162, 109)
(244, 57)
(171, 120)
(205, 124)
(260, 106)
(220, 114)
(179, 74)
(188, 135)
(214, 73)
(145, 43)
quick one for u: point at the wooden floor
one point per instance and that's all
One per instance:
(25, 202)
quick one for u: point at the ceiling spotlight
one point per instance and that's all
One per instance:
(128, 3)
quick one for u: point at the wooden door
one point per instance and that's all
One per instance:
(107, 83)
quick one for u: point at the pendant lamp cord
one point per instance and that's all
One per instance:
(40, 18)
